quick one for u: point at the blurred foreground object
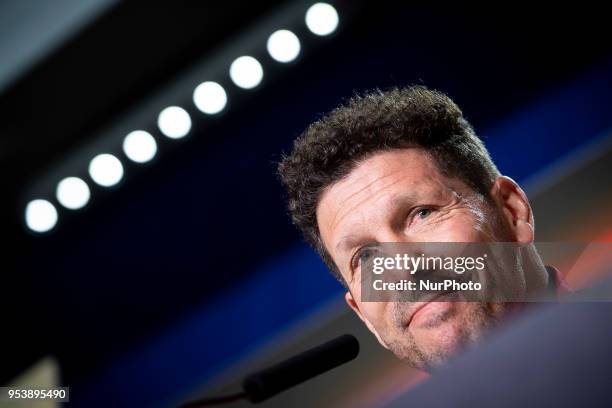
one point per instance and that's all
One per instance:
(558, 356)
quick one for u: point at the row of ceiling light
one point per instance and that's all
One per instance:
(174, 122)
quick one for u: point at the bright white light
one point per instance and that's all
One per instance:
(139, 146)
(246, 72)
(106, 170)
(174, 122)
(210, 97)
(40, 215)
(322, 19)
(73, 193)
(283, 46)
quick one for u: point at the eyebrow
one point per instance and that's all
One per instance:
(347, 242)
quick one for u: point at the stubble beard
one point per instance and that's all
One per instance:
(475, 322)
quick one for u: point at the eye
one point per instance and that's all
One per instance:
(420, 213)
(366, 254)
(362, 254)
(424, 212)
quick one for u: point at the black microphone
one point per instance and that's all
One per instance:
(295, 370)
(266, 383)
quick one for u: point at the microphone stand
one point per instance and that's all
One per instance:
(266, 383)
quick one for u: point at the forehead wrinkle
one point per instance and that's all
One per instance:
(395, 202)
(365, 198)
(340, 215)
(376, 180)
(428, 171)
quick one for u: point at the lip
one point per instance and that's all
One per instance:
(422, 304)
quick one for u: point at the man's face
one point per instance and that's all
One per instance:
(401, 196)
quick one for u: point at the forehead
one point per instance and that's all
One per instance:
(374, 184)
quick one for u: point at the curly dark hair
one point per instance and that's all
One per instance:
(378, 121)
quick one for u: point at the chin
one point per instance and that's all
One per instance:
(440, 331)
(441, 334)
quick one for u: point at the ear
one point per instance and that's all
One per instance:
(348, 297)
(514, 204)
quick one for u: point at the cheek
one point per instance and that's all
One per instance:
(375, 313)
